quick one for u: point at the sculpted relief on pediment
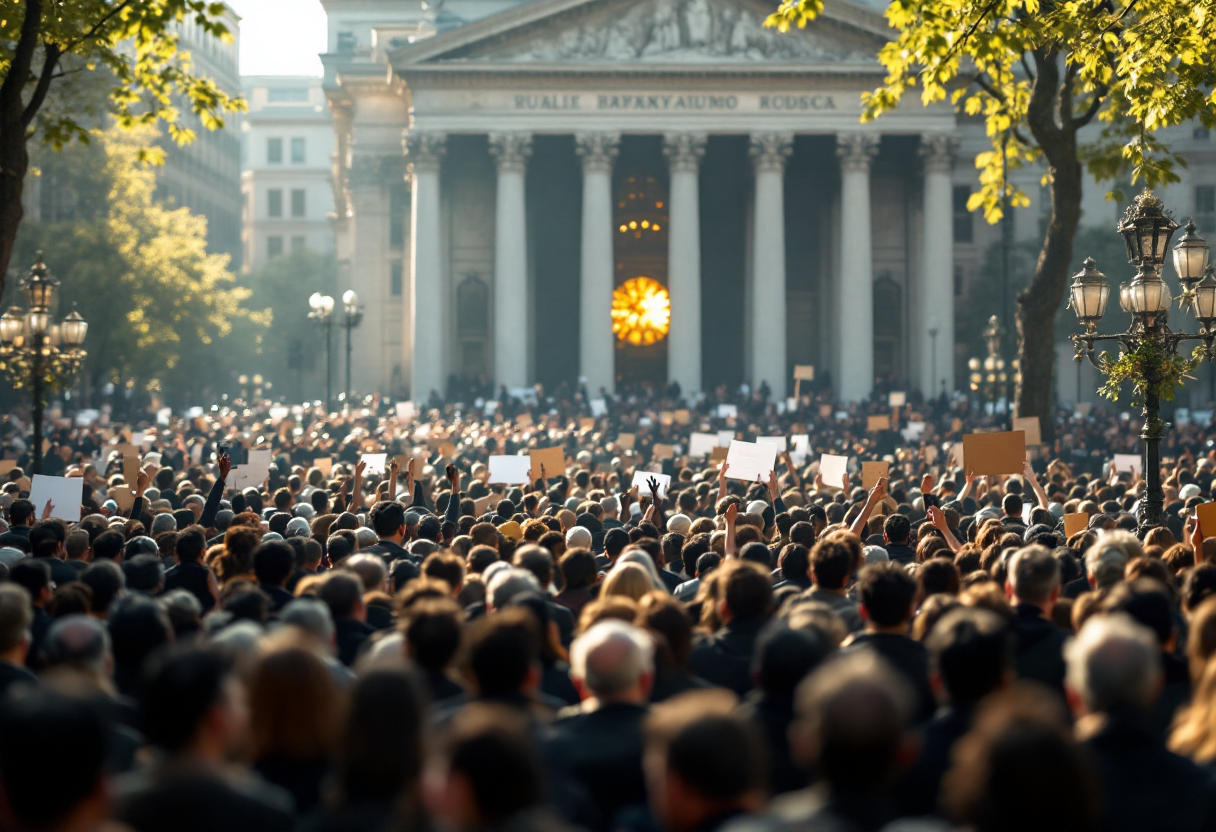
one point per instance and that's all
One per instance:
(678, 31)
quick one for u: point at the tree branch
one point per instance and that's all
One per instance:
(1090, 111)
(1070, 75)
(1040, 111)
(23, 59)
(1026, 67)
(987, 10)
(96, 27)
(51, 54)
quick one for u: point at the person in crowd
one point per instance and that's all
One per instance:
(1033, 585)
(16, 618)
(725, 656)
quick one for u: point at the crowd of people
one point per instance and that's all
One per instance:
(424, 648)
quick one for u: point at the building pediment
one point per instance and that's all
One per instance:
(660, 33)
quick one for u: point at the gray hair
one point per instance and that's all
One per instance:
(365, 537)
(507, 583)
(1113, 662)
(182, 600)
(610, 504)
(1107, 559)
(369, 568)
(16, 615)
(1034, 574)
(78, 641)
(163, 523)
(311, 616)
(611, 657)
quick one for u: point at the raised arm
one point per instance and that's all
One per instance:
(872, 499)
(722, 480)
(732, 511)
(1033, 482)
(216, 494)
(452, 514)
(938, 518)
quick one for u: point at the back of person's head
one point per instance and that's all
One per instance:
(490, 749)
(480, 557)
(183, 687)
(191, 545)
(387, 518)
(831, 563)
(294, 706)
(53, 759)
(1147, 602)
(380, 752)
(578, 569)
(433, 633)
(21, 513)
(446, 567)
(138, 627)
(971, 649)
(107, 580)
(311, 616)
(44, 539)
(77, 544)
(34, 576)
(342, 592)
(502, 651)
(747, 591)
(1034, 574)
(896, 529)
(273, 562)
(16, 616)
(1019, 768)
(144, 573)
(507, 583)
(109, 546)
(852, 714)
(611, 658)
(783, 657)
(1113, 662)
(717, 756)
(1012, 505)
(370, 569)
(886, 592)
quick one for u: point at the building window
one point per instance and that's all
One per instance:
(1201, 133)
(395, 279)
(287, 95)
(297, 202)
(274, 203)
(1205, 207)
(297, 243)
(958, 281)
(963, 232)
(274, 151)
(274, 246)
(398, 204)
(346, 41)
(297, 151)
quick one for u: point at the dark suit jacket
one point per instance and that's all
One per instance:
(602, 749)
(908, 658)
(725, 657)
(1039, 650)
(196, 802)
(350, 635)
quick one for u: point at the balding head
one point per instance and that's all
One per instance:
(80, 642)
(613, 661)
(1114, 663)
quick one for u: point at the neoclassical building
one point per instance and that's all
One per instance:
(504, 170)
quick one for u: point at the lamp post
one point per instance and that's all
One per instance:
(1146, 228)
(989, 376)
(322, 315)
(354, 317)
(35, 351)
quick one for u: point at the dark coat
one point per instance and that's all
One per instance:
(908, 658)
(1039, 648)
(724, 658)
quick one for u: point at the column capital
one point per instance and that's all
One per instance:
(856, 150)
(424, 151)
(511, 150)
(597, 150)
(770, 150)
(938, 151)
(684, 150)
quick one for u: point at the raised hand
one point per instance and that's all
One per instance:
(936, 517)
(225, 465)
(722, 471)
(772, 484)
(46, 511)
(453, 477)
(732, 512)
(926, 483)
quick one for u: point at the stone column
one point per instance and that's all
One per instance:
(769, 152)
(367, 178)
(424, 152)
(855, 314)
(597, 360)
(937, 271)
(684, 152)
(511, 332)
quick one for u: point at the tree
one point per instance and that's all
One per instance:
(129, 42)
(1038, 72)
(162, 306)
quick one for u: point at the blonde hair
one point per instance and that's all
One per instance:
(1194, 731)
(628, 579)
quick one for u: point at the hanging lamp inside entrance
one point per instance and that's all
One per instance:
(641, 311)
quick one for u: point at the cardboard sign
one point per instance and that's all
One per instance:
(728, 411)
(804, 372)
(956, 455)
(683, 417)
(897, 398)
(1205, 513)
(524, 420)
(123, 496)
(640, 482)
(801, 443)
(130, 470)
(718, 454)
(405, 411)
(511, 470)
(7, 465)
(1128, 462)
(64, 494)
(1075, 522)
(877, 423)
(995, 453)
(586, 423)
(750, 461)
(664, 452)
(552, 460)
(1029, 424)
(779, 441)
(481, 506)
(872, 472)
(626, 441)
(666, 417)
(599, 407)
(832, 469)
(725, 437)
(447, 449)
(702, 444)
(325, 465)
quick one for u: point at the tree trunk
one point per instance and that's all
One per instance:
(14, 120)
(14, 164)
(1040, 302)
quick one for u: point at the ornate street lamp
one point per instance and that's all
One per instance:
(37, 352)
(322, 315)
(353, 317)
(1146, 228)
(990, 377)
